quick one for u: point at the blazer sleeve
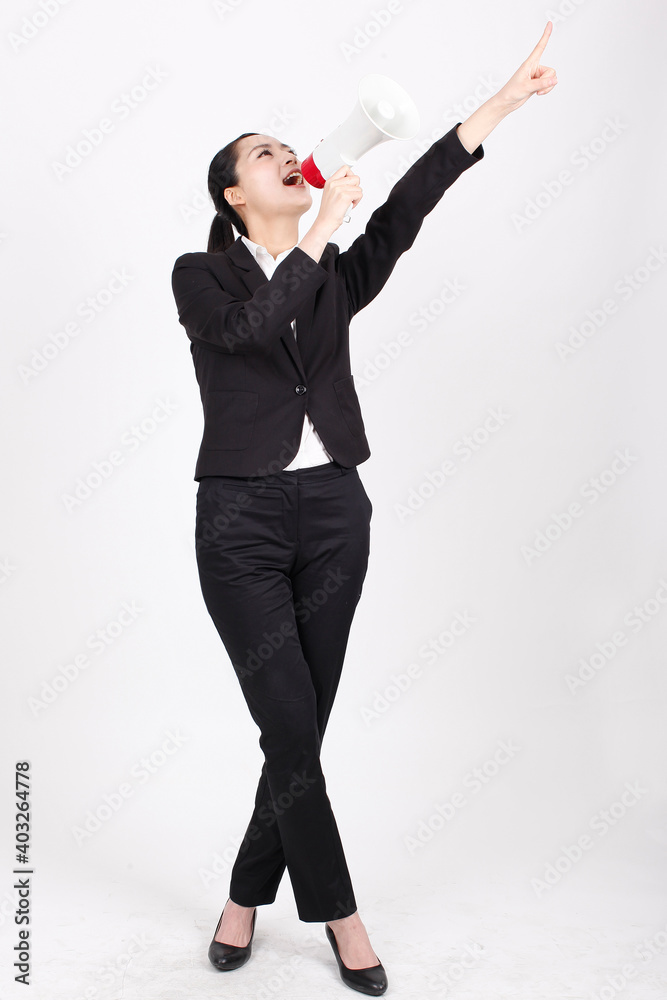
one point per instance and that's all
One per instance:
(218, 320)
(392, 228)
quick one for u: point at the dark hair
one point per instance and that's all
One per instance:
(222, 174)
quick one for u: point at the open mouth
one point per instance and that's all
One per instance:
(294, 179)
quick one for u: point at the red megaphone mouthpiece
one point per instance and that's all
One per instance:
(311, 172)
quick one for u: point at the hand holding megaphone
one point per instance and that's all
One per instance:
(383, 111)
(341, 193)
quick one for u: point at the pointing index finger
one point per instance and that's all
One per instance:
(542, 44)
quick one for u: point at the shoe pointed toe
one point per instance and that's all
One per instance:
(371, 981)
(227, 957)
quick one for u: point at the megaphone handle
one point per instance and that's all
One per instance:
(347, 214)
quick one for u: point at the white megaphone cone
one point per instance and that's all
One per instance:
(383, 111)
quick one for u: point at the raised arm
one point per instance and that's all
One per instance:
(393, 227)
(530, 78)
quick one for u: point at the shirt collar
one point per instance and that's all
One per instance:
(256, 248)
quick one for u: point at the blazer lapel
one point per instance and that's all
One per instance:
(304, 318)
(253, 277)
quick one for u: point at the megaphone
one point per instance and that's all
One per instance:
(383, 111)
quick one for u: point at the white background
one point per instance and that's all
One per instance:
(127, 910)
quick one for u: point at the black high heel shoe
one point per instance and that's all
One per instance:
(372, 981)
(228, 956)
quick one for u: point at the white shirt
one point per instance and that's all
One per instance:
(311, 450)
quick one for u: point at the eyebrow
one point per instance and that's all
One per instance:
(267, 145)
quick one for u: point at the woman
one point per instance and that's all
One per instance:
(282, 527)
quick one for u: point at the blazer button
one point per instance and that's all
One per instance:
(300, 389)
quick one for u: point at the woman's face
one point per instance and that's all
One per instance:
(262, 166)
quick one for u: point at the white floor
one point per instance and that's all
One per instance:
(464, 942)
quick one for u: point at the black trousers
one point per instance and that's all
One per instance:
(282, 559)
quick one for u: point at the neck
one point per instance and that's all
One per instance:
(276, 234)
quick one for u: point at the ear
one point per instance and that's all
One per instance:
(233, 197)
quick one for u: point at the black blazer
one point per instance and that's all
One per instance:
(256, 380)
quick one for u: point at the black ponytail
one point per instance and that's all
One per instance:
(221, 175)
